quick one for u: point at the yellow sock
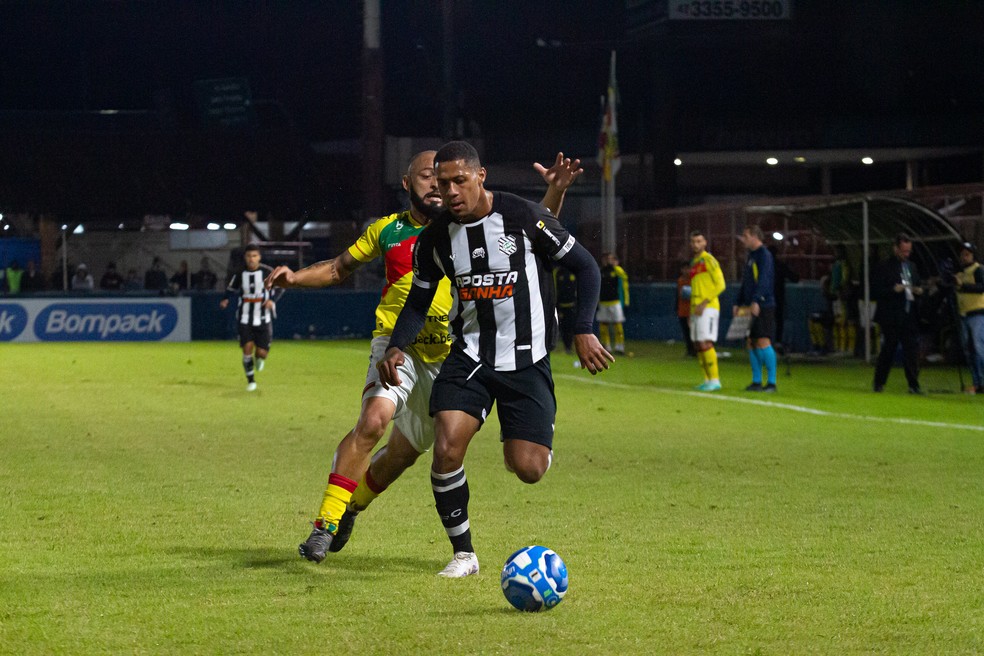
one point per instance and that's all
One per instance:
(367, 491)
(605, 337)
(711, 363)
(702, 361)
(619, 337)
(337, 496)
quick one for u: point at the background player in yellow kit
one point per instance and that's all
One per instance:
(706, 285)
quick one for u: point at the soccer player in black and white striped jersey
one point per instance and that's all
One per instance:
(255, 312)
(499, 251)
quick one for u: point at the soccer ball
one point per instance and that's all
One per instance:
(534, 579)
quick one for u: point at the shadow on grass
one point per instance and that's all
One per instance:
(353, 563)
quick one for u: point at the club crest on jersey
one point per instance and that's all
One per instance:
(507, 244)
(478, 253)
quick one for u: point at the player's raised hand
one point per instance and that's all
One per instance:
(593, 356)
(283, 277)
(562, 173)
(389, 375)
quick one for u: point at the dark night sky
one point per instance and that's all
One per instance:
(840, 56)
(849, 60)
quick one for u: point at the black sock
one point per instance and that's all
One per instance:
(451, 497)
(248, 366)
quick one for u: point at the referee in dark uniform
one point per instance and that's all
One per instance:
(758, 294)
(254, 313)
(499, 251)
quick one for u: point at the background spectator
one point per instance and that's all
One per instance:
(204, 279)
(32, 281)
(181, 278)
(133, 282)
(111, 280)
(82, 280)
(155, 279)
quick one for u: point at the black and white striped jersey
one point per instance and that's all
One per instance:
(500, 268)
(252, 294)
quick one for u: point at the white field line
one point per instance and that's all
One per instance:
(773, 404)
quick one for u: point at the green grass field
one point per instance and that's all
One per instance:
(149, 505)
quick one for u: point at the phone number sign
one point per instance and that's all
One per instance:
(730, 9)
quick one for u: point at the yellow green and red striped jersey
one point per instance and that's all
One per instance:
(392, 238)
(706, 281)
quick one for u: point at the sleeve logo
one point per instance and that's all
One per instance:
(542, 226)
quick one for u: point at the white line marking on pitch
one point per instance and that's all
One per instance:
(773, 404)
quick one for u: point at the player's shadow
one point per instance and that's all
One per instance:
(340, 565)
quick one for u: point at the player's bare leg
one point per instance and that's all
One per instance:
(528, 460)
(261, 356)
(351, 460)
(453, 431)
(386, 466)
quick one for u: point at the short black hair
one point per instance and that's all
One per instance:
(902, 238)
(455, 150)
(251, 247)
(755, 230)
(697, 233)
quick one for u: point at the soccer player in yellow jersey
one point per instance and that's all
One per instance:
(706, 285)
(355, 480)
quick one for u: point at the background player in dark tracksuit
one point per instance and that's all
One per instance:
(566, 283)
(498, 250)
(612, 301)
(254, 313)
(758, 293)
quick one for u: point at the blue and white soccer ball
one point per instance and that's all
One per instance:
(534, 579)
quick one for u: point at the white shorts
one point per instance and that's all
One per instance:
(610, 313)
(412, 397)
(705, 327)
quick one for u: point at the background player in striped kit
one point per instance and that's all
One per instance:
(254, 313)
(498, 251)
(392, 238)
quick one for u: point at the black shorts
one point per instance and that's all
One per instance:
(260, 335)
(524, 399)
(764, 325)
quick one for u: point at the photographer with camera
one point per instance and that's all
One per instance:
(969, 284)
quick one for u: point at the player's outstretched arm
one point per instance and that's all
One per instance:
(558, 177)
(319, 274)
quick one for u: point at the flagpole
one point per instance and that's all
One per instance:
(610, 161)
